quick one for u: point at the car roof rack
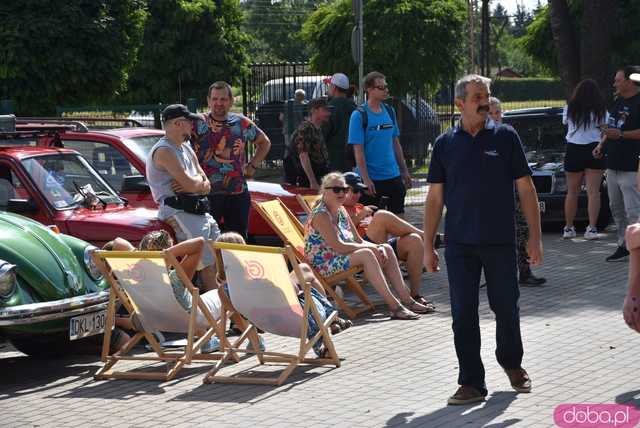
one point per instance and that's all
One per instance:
(83, 123)
(35, 123)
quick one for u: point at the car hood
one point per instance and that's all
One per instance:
(43, 261)
(99, 226)
(551, 160)
(262, 191)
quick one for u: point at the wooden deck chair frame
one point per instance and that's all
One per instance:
(307, 201)
(178, 358)
(250, 331)
(329, 283)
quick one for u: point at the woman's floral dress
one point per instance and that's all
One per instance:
(317, 252)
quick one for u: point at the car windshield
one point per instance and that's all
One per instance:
(58, 177)
(141, 146)
(540, 133)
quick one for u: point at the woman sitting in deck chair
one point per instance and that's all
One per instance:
(325, 308)
(332, 245)
(189, 253)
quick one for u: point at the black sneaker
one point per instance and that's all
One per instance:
(620, 253)
(530, 280)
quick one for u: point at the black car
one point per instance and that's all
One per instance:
(543, 137)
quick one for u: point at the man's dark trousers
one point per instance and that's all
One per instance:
(464, 265)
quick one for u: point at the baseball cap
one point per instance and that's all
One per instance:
(354, 180)
(175, 111)
(635, 77)
(339, 79)
(320, 102)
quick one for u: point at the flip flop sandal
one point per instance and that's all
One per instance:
(419, 309)
(424, 302)
(404, 314)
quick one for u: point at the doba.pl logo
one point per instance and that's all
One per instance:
(596, 416)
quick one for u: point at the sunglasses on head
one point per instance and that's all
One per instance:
(338, 189)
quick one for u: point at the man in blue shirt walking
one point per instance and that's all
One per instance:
(473, 169)
(379, 158)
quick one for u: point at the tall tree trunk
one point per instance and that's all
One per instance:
(564, 37)
(598, 21)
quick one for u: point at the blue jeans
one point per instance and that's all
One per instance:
(325, 309)
(464, 265)
(232, 212)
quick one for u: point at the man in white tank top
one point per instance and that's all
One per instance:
(173, 171)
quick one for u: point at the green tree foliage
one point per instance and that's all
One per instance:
(66, 51)
(538, 40)
(275, 27)
(415, 43)
(507, 50)
(187, 45)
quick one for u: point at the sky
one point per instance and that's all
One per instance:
(510, 5)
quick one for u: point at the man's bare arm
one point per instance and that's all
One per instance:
(166, 159)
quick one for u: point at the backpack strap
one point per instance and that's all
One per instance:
(364, 117)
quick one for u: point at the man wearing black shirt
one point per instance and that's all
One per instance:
(473, 169)
(622, 148)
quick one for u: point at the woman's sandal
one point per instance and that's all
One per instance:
(402, 313)
(419, 308)
(424, 302)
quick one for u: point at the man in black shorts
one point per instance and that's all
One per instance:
(374, 137)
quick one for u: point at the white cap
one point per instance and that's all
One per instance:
(340, 80)
(635, 77)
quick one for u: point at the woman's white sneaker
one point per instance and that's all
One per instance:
(569, 232)
(591, 233)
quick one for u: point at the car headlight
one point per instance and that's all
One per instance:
(90, 266)
(8, 280)
(560, 184)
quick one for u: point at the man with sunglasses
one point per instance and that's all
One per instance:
(179, 186)
(220, 141)
(379, 158)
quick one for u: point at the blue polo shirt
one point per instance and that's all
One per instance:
(478, 174)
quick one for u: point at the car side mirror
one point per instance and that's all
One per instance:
(135, 183)
(21, 206)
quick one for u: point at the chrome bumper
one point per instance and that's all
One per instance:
(47, 311)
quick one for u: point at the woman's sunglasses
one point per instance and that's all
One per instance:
(338, 189)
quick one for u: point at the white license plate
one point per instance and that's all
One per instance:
(87, 325)
(543, 206)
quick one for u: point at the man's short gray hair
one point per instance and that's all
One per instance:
(461, 85)
(493, 101)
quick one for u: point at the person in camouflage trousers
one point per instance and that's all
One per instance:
(525, 276)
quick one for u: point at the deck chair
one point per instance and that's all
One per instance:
(307, 201)
(260, 289)
(140, 282)
(289, 229)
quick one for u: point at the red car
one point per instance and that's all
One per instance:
(50, 185)
(119, 155)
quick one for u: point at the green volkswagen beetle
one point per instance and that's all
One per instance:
(51, 293)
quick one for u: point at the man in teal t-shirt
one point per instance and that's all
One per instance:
(379, 158)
